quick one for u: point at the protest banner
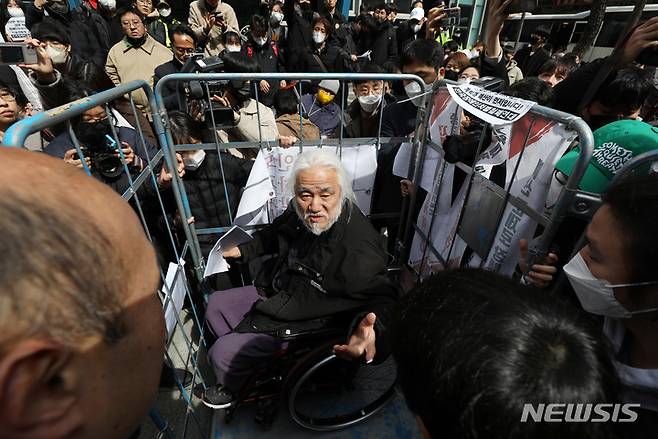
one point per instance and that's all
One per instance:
(489, 106)
(15, 29)
(547, 142)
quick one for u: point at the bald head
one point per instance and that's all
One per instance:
(81, 327)
(65, 232)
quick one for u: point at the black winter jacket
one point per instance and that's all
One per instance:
(383, 44)
(341, 272)
(206, 192)
(172, 90)
(530, 64)
(270, 60)
(298, 40)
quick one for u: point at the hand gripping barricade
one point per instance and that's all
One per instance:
(264, 197)
(142, 188)
(481, 192)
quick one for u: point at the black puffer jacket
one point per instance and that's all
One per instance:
(313, 278)
(206, 192)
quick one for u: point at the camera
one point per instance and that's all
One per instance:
(216, 115)
(97, 143)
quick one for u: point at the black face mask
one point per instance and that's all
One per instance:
(305, 7)
(452, 75)
(137, 42)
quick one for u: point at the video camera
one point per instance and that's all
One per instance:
(202, 92)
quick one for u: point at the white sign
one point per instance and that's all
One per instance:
(547, 142)
(491, 107)
(216, 262)
(266, 194)
(15, 29)
(174, 294)
(437, 215)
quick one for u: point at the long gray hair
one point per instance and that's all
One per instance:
(319, 157)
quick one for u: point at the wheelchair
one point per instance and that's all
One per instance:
(321, 391)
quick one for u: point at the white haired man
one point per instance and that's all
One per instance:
(329, 262)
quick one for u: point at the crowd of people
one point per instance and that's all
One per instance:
(472, 347)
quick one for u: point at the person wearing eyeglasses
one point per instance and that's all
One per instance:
(183, 44)
(135, 57)
(13, 106)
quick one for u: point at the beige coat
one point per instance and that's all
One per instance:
(126, 63)
(247, 128)
(212, 39)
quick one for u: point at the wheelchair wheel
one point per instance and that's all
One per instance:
(327, 393)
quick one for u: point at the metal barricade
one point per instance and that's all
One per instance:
(147, 198)
(264, 143)
(465, 227)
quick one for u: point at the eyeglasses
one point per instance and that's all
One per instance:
(56, 45)
(133, 23)
(7, 96)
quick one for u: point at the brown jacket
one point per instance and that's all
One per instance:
(288, 125)
(211, 39)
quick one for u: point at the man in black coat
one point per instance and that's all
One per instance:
(183, 43)
(328, 266)
(88, 31)
(299, 17)
(531, 58)
(382, 40)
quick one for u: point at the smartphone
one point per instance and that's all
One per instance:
(17, 53)
(519, 6)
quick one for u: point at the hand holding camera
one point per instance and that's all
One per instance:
(71, 157)
(43, 68)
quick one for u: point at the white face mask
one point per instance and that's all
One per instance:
(276, 17)
(15, 12)
(108, 5)
(318, 37)
(193, 161)
(595, 295)
(415, 93)
(233, 48)
(369, 103)
(417, 27)
(260, 41)
(57, 56)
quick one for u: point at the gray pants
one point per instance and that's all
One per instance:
(235, 355)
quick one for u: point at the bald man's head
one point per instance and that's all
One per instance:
(77, 281)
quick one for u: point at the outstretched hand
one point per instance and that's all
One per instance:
(540, 275)
(361, 341)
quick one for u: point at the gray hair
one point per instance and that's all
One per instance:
(61, 275)
(320, 157)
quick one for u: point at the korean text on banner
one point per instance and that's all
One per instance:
(489, 106)
(439, 210)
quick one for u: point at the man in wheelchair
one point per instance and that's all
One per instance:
(328, 268)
